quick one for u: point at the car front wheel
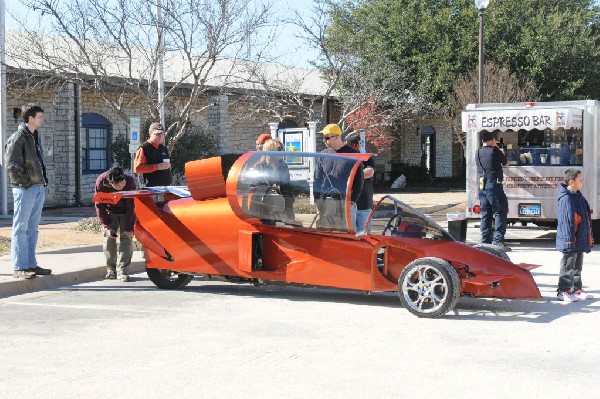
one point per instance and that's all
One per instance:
(429, 287)
(168, 279)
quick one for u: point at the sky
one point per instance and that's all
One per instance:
(286, 47)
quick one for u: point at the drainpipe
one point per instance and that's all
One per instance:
(77, 123)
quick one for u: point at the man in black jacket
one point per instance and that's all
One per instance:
(492, 199)
(25, 165)
(364, 203)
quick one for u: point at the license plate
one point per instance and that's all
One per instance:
(530, 210)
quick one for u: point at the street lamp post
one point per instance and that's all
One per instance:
(481, 5)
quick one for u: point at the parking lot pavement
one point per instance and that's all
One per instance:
(220, 339)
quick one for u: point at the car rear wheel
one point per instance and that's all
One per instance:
(168, 279)
(493, 249)
(429, 287)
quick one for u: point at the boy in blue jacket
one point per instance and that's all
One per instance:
(573, 236)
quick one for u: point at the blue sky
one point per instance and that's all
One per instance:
(288, 49)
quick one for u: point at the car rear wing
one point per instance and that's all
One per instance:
(113, 198)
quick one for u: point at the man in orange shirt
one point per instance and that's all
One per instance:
(152, 158)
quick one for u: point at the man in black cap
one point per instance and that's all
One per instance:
(492, 199)
(152, 158)
(118, 221)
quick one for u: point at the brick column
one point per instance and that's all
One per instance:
(62, 168)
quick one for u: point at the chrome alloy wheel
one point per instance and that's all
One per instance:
(425, 289)
(429, 287)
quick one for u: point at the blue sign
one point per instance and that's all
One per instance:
(134, 136)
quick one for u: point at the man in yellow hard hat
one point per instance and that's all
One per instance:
(331, 175)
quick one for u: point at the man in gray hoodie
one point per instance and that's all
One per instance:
(25, 165)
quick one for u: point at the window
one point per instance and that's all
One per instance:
(428, 149)
(95, 143)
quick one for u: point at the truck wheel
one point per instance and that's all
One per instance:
(429, 287)
(493, 249)
(168, 279)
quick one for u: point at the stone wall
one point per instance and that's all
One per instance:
(54, 136)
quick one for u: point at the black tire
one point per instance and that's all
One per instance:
(429, 287)
(494, 250)
(168, 279)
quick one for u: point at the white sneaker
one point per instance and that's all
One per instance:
(566, 296)
(582, 295)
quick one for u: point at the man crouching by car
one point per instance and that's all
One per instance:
(118, 220)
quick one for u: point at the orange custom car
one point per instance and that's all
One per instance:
(247, 222)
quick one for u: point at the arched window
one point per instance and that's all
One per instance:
(95, 143)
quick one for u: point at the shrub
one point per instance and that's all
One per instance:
(91, 225)
(120, 151)
(4, 245)
(195, 144)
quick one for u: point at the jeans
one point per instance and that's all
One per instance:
(494, 206)
(569, 278)
(28, 205)
(125, 249)
(354, 214)
(361, 219)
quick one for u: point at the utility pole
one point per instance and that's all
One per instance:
(160, 73)
(3, 123)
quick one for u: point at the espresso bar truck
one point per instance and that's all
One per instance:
(541, 141)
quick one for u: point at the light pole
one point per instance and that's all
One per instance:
(3, 123)
(481, 5)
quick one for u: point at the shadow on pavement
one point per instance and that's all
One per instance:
(544, 310)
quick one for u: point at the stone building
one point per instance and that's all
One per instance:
(79, 129)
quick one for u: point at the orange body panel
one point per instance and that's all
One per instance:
(205, 178)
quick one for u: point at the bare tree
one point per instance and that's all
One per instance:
(111, 48)
(500, 87)
(276, 92)
(313, 30)
(377, 101)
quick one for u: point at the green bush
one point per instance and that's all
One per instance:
(120, 151)
(195, 144)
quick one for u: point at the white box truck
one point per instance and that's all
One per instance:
(541, 141)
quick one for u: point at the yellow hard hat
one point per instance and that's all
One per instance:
(332, 130)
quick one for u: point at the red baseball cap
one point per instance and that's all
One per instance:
(263, 138)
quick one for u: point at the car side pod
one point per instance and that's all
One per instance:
(150, 243)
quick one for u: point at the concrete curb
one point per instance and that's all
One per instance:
(54, 281)
(82, 273)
